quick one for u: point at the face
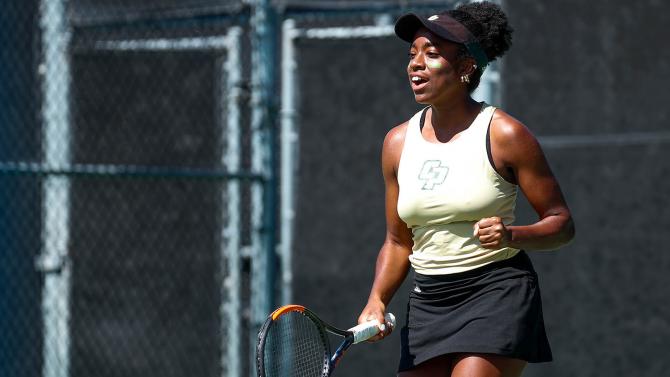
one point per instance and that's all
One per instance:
(433, 68)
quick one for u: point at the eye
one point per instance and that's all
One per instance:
(411, 55)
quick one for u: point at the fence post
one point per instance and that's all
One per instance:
(289, 150)
(231, 308)
(263, 155)
(55, 74)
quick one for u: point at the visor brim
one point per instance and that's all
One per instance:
(407, 26)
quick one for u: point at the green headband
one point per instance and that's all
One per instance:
(475, 49)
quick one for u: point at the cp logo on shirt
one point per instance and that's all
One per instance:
(433, 173)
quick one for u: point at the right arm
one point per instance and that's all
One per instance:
(393, 259)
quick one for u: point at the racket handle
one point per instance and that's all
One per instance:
(367, 330)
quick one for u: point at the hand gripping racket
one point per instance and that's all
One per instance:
(293, 343)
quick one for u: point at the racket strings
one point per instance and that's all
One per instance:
(295, 346)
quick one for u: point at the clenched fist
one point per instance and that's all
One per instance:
(492, 233)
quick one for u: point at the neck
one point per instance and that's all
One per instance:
(455, 115)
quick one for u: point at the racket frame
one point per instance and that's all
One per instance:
(330, 361)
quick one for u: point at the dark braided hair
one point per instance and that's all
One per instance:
(488, 23)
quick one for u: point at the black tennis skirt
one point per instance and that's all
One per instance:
(494, 309)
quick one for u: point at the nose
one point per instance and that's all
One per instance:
(417, 63)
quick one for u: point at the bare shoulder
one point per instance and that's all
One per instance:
(509, 131)
(512, 140)
(393, 144)
(396, 136)
(395, 139)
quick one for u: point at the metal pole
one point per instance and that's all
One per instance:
(289, 152)
(263, 137)
(230, 246)
(53, 262)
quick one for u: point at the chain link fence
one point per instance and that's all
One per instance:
(143, 144)
(20, 196)
(124, 186)
(137, 178)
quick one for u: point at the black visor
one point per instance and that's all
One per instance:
(445, 27)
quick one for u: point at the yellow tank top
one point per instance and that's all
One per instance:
(445, 188)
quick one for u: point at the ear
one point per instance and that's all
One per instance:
(467, 66)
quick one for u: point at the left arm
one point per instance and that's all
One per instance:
(515, 150)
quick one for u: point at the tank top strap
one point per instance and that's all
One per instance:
(480, 129)
(414, 126)
(483, 120)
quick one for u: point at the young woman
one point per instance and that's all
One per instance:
(451, 174)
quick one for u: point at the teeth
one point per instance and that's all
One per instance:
(416, 78)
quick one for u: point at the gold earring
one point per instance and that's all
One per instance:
(465, 79)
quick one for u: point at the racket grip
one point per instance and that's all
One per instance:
(367, 330)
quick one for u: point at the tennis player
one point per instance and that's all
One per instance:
(452, 173)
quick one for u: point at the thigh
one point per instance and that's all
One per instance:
(484, 365)
(436, 367)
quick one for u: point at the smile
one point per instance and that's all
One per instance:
(418, 82)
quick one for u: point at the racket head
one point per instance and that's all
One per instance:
(293, 343)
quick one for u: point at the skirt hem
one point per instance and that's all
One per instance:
(470, 349)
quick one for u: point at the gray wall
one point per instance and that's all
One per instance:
(594, 69)
(575, 69)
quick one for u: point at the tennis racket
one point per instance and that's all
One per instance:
(293, 342)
